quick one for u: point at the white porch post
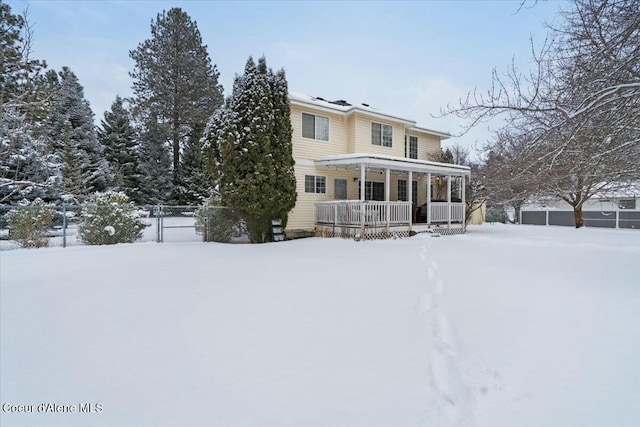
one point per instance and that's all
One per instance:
(429, 198)
(362, 189)
(387, 185)
(410, 195)
(464, 203)
(362, 186)
(449, 200)
(387, 195)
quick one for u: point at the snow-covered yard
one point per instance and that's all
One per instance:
(503, 326)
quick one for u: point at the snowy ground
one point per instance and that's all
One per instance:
(504, 326)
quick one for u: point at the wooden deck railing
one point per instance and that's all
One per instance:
(439, 211)
(367, 213)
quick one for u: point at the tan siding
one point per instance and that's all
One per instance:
(304, 148)
(427, 144)
(303, 215)
(351, 129)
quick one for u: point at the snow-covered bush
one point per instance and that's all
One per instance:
(216, 223)
(29, 222)
(110, 218)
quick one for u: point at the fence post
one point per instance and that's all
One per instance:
(205, 223)
(158, 224)
(617, 219)
(64, 226)
(546, 217)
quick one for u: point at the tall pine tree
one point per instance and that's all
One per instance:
(174, 80)
(118, 137)
(155, 164)
(72, 135)
(250, 144)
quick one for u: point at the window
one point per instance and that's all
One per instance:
(373, 190)
(340, 189)
(315, 127)
(381, 134)
(402, 191)
(413, 147)
(315, 184)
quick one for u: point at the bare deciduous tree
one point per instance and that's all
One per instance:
(578, 108)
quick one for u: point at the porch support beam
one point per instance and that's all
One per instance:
(387, 196)
(362, 181)
(463, 190)
(429, 198)
(410, 194)
(449, 200)
(387, 184)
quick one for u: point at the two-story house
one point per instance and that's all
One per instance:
(364, 173)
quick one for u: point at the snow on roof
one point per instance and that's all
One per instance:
(344, 107)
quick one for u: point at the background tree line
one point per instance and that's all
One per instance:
(149, 146)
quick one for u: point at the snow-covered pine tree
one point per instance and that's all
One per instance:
(118, 137)
(155, 164)
(27, 170)
(196, 183)
(175, 81)
(72, 135)
(253, 149)
(284, 191)
(19, 73)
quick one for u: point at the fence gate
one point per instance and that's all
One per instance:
(177, 224)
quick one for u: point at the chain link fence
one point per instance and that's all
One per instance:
(29, 226)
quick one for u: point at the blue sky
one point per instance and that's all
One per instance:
(404, 58)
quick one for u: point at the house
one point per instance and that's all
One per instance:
(366, 174)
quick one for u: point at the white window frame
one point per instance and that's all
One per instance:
(315, 184)
(409, 147)
(315, 127)
(382, 127)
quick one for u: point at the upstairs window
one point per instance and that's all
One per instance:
(381, 134)
(413, 147)
(315, 127)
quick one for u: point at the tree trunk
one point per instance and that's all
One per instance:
(577, 215)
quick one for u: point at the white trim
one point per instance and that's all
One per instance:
(381, 161)
(304, 162)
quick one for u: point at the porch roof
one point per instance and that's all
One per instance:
(396, 164)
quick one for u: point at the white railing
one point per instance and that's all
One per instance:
(440, 212)
(367, 213)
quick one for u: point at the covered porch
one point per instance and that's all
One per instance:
(434, 199)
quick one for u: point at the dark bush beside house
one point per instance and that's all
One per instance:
(29, 223)
(110, 218)
(217, 223)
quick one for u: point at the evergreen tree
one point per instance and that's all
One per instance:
(72, 135)
(155, 164)
(118, 137)
(19, 73)
(27, 170)
(174, 80)
(252, 148)
(195, 185)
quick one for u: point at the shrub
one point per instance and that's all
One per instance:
(29, 222)
(109, 218)
(216, 223)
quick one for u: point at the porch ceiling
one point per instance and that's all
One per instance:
(395, 164)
